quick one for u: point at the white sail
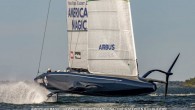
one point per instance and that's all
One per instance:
(77, 16)
(106, 41)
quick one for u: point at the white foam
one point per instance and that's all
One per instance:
(190, 94)
(22, 92)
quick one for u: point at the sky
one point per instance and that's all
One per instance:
(162, 29)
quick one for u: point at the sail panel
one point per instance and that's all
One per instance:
(111, 47)
(77, 42)
(77, 26)
(109, 67)
(106, 48)
(102, 5)
(104, 22)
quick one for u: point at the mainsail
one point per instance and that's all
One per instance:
(100, 37)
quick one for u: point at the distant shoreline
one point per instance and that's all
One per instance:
(190, 82)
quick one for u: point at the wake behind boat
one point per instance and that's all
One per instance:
(102, 55)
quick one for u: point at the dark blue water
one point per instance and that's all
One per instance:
(179, 97)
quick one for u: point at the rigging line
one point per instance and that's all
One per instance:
(43, 41)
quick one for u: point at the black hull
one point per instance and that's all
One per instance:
(88, 84)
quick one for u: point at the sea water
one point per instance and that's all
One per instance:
(29, 95)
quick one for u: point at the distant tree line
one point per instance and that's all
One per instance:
(190, 82)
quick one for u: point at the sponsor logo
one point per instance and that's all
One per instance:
(107, 47)
(71, 54)
(77, 55)
(78, 14)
